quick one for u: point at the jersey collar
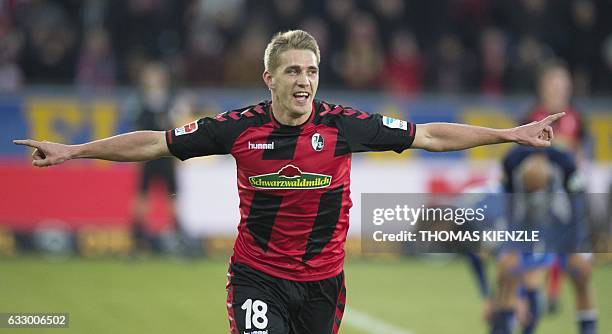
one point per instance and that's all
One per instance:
(279, 125)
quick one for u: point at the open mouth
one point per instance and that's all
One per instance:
(301, 97)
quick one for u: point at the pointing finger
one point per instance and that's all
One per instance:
(26, 142)
(550, 119)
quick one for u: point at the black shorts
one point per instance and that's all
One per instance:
(160, 170)
(258, 303)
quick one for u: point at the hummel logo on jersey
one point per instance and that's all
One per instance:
(260, 146)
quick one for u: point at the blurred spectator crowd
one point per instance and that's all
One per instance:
(403, 46)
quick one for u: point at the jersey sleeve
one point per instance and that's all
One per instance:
(206, 136)
(375, 132)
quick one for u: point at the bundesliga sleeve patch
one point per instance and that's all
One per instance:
(394, 123)
(186, 129)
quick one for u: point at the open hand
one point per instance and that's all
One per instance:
(537, 134)
(46, 153)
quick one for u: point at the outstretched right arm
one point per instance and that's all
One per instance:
(132, 146)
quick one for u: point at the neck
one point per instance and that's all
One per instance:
(285, 117)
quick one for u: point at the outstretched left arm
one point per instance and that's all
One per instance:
(441, 137)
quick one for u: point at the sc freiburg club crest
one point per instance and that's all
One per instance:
(317, 142)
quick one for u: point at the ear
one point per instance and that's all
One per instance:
(268, 79)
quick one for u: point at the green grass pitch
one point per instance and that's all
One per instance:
(173, 296)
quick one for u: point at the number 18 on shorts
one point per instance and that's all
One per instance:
(261, 304)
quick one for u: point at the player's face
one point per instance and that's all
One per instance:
(154, 77)
(294, 83)
(556, 88)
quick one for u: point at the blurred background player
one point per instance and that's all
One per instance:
(555, 95)
(540, 182)
(152, 107)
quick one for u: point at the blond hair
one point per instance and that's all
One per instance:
(288, 40)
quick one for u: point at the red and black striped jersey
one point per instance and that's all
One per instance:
(293, 181)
